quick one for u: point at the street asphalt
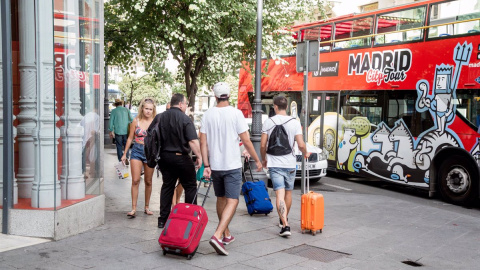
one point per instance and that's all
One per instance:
(364, 229)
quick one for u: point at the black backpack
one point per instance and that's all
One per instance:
(278, 143)
(152, 143)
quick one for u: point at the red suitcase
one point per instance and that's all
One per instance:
(184, 228)
(312, 214)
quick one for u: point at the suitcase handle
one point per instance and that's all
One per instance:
(204, 180)
(307, 174)
(250, 170)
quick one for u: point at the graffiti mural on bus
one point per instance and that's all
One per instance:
(396, 154)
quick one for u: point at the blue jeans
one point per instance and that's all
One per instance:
(121, 142)
(138, 152)
(282, 178)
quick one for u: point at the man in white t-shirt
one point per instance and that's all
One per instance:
(282, 167)
(221, 128)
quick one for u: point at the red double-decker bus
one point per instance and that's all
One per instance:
(397, 94)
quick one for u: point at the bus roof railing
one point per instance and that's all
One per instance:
(398, 31)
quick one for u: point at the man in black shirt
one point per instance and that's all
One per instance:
(178, 138)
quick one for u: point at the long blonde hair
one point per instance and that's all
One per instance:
(142, 105)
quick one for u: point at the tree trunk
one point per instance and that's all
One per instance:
(131, 96)
(191, 75)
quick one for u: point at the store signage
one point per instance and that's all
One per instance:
(327, 69)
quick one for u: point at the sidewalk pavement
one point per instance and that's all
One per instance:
(359, 233)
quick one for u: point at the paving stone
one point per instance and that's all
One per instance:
(262, 248)
(148, 246)
(214, 261)
(83, 260)
(277, 260)
(54, 265)
(238, 266)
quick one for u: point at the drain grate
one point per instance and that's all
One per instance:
(316, 253)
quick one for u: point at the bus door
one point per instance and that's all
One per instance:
(323, 122)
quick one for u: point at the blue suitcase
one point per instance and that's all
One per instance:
(256, 196)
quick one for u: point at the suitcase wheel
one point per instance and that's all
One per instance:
(189, 256)
(314, 232)
(164, 252)
(266, 214)
(320, 230)
(303, 231)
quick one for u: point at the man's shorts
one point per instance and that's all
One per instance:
(282, 178)
(227, 183)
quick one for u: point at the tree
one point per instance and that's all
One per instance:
(209, 38)
(136, 89)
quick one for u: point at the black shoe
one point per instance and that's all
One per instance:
(161, 223)
(285, 231)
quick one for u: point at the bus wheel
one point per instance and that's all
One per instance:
(457, 181)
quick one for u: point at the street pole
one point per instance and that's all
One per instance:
(305, 113)
(106, 113)
(6, 32)
(257, 102)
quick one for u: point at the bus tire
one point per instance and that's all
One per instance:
(458, 180)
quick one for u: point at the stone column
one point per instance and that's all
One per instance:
(45, 187)
(71, 179)
(28, 98)
(15, 186)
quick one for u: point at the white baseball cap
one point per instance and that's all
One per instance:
(221, 90)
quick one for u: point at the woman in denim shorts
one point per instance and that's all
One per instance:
(138, 132)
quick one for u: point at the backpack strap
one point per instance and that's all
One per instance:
(275, 124)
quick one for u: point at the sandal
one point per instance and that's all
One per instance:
(148, 212)
(132, 214)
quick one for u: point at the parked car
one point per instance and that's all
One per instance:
(316, 165)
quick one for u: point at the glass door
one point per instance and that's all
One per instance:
(323, 123)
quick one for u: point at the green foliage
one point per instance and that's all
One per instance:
(144, 87)
(209, 38)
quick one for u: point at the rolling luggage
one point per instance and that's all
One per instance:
(312, 214)
(256, 196)
(184, 228)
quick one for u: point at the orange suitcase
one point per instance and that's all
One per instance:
(312, 214)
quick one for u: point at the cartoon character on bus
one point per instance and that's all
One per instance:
(440, 102)
(399, 153)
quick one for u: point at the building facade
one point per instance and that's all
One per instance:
(55, 143)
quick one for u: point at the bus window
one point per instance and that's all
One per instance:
(400, 20)
(325, 38)
(311, 33)
(468, 105)
(454, 11)
(352, 29)
(401, 105)
(363, 106)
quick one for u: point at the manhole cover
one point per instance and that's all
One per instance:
(316, 253)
